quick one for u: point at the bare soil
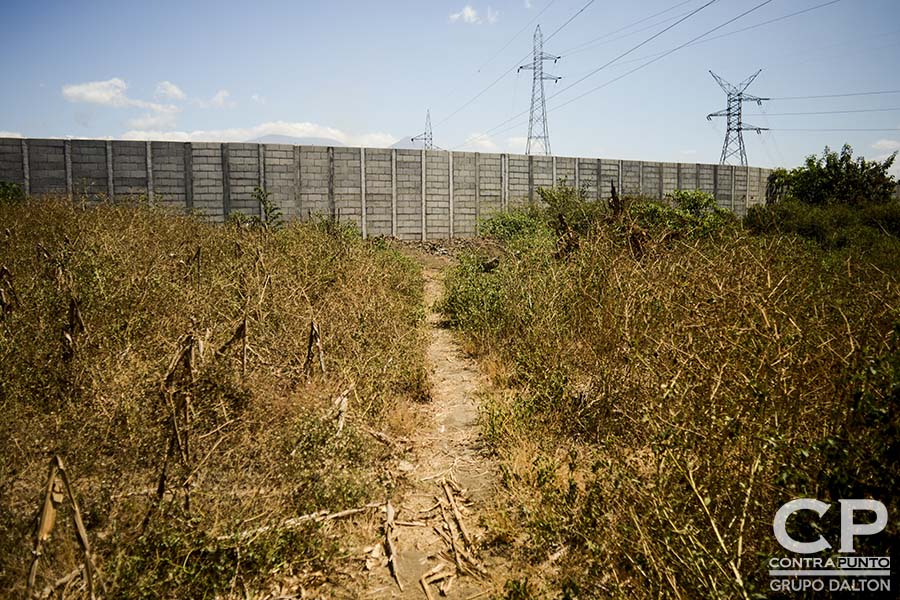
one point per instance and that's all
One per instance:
(445, 461)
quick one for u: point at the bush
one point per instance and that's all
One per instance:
(868, 231)
(97, 303)
(685, 212)
(10, 192)
(664, 408)
(836, 178)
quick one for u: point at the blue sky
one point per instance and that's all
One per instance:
(364, 73)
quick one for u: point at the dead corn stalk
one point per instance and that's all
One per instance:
(314, 345)
(175, 390)
(57, 482)
(389, 548)
(9, 301)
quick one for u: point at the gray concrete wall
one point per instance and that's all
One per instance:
(410, 194)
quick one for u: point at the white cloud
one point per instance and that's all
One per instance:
(167, 89)
(470, 15)
(517, 143)
(528, 4)
(220, 99)
(241, 134)
(466, 15)
(10, 134)
(258, 99)
(155, 120)
(110, 92)
(889, 145)
(480, 142)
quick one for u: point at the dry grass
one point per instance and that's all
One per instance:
(99, 303)
(667, 405)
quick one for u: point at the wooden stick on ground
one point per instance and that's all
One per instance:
(424, 581)
(456, 514)
(456, 556)
(317, 517)
(389, 543)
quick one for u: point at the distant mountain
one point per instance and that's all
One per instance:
(406, 143)
(295, 141)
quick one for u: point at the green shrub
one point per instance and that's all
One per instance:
(509, 225)
(567, 210)
(10, 192)
(685, 212)
(836, 178)
(638, 383)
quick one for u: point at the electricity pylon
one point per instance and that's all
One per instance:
(426, 135)
(538, 135)
(734, 138)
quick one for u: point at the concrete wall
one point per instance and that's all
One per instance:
(410, 194)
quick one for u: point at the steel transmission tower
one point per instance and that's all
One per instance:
(734, 137)
(426, 136)
(538, 136)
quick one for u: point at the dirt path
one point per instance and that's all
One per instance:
(445, 449)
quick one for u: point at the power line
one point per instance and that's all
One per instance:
(633, 48)
(513, 68)
(607, 64)
(665, 54)
(736, 31)
(513, 38)
(831, 112)
(844, 129)
(581, 47)
(836, 95)
(770, 21)
(611, 81)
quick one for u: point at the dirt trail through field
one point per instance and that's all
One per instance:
(448, 474)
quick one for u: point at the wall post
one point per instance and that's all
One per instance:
(362, 190)
(530, 179)
(504, 184)
(297, 181)
(733, 169)
(662, 172)
(226, 181)
(716, 183)
(26, 170)
(477, 192)
(331, 203)
(747, 191)
(110, 187)
(149, 155)
(450, 189)
(188, 177)
(67, 155)
(621, 177)
(394, 193)
(553, 162)
(424, 216)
